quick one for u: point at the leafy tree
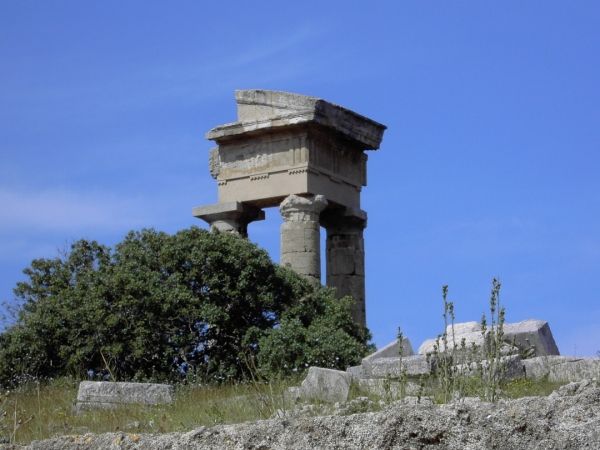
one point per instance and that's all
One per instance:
(160, 307)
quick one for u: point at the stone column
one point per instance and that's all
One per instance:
(235, 226)
(232, 217)
(300, 234)
(346, 257)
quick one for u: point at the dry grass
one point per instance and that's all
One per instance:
(471, 387)
(530, 388)
(39, 411)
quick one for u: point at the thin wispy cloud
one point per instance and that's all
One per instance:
(22, 249)
(270, 47)
(65, 210)
(272, 58)
(268, 60)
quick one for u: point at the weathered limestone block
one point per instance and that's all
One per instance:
(300, 234)
(562, 368)
(107, 395)
(528, 336)
(512, 367)
(259, 109)
(533, 334)
(464, 327)
(393, 367)
(255, 105)
(470, 331)
(471, 339)
(388, 388)
(391, 350)
(326, 385)
(356, 372)
(509, 367)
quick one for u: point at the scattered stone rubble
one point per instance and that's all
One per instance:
(530, 352)
(567, 419)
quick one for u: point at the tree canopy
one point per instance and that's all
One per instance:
(162, 307)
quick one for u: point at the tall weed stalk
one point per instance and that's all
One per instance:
(493, 339)
(402, 378)
(459, 368)
(447, 356)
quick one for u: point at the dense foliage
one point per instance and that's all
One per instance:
(163, 307)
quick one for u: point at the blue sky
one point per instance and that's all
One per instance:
(489, 166)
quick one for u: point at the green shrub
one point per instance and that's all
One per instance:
(317, 331)
(161, 307)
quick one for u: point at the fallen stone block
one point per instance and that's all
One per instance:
(108, 395)
(394, 367)
(464, 327)
(356, 372)
(512, 367)
(509, 367)
(326, 385)
(471, 338)
(392, 350)
(562, 368)
(388, 389)
(529, 336)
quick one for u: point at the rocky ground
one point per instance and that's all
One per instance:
(567, 419)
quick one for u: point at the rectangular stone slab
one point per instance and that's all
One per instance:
(393, 367)
(528, 335)
(533, 334)
(326, 385)
(229, 210)
(388, 388)
(260, 109)
(562, 368)
(105, 394)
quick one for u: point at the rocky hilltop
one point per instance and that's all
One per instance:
(569, 418)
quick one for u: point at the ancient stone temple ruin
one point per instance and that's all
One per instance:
(306, 156)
